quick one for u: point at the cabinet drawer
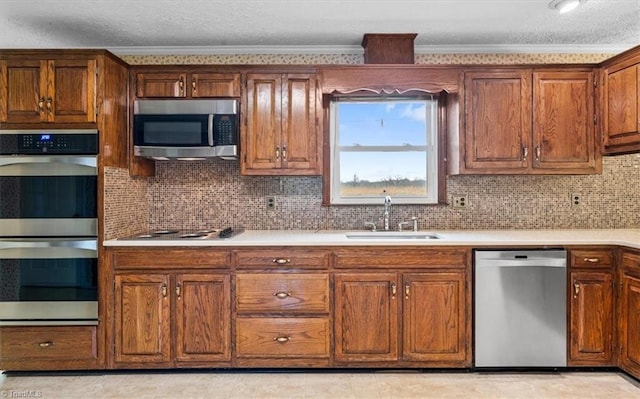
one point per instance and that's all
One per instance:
(282, 337)
(282, 293)
(631, 261)
(48, 343)
(595, 258)
(283, 258)
(169, 258)
(384, 257)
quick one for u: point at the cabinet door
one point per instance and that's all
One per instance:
(262, 138)
(563, 122)
(591, 319)
(71, 95)
(299, 130)
(434, 317)
(497, 121)
(630, 325)
(366, 317)
(203, 317)
(142, 318)
(622, 106)
(215, 85)
(23, 88)
(160, 84)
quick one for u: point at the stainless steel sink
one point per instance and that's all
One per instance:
(392, 235)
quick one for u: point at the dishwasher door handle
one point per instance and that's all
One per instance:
(521, 263)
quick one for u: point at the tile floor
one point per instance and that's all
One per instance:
(334, 385)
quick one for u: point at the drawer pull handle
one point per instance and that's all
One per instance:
(282, 295)
(46, 344)
(281, 261)
(576, 289)
(394, 290)
(592, 260)
(282, 340)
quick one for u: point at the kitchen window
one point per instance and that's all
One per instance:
(384, 146)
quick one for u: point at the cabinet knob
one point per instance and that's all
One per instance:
(46, 344)
(284, 152)
(281, 261)
(193, 85)
(525, 153)
(592, 260)
(282, 295)
(49, 104)
(178, 290)
(538, 151)
(164, 290)
(394, 290)
(277, 153)
(406, 290)
(41, 104)
(282, 340)
(576, 289)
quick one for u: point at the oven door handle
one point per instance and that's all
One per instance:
(41, 165)
(48, 249)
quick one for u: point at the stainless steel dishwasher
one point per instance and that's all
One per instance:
(520, 308)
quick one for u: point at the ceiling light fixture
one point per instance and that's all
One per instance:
(564, 6)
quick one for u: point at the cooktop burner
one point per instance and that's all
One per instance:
(204, 234)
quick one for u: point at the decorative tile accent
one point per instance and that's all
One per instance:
(200, 194)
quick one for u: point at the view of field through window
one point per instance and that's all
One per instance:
(382, 147)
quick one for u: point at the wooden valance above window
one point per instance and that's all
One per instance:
(388, 80)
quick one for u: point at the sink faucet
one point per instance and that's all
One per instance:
(385, 215)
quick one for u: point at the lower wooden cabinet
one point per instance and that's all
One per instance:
(49, 348)
(592, 311)
(629, 323)
(402, 317)
(591, 307)
(282, 318)
(148, 335)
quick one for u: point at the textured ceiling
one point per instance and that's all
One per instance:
(138, 24)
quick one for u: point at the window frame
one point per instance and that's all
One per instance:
(439, 150)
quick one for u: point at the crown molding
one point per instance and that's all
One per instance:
(523, 49)
(419, 49)
(231, 50)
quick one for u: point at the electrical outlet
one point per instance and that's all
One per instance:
(271, 202)
(460, 201)
(575, 199)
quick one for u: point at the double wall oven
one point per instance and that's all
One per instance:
(48, 227)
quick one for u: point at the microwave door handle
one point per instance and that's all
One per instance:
(210, 130)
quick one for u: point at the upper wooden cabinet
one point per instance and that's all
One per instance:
(281, 129)
(186, 84)
(620, 103)
(521, 121)
(48, 90)
(497, 115)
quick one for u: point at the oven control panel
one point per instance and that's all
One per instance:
(43, 142)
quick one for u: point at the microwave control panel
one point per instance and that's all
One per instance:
(225, 128)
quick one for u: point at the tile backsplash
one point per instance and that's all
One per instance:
(199, 194)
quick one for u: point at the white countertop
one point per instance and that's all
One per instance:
(474, 238)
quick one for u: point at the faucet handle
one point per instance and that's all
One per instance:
(415, 223)
(401, 225)
(370, 224)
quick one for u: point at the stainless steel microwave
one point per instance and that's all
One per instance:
(186, 129)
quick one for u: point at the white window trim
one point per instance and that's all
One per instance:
(432, 165)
